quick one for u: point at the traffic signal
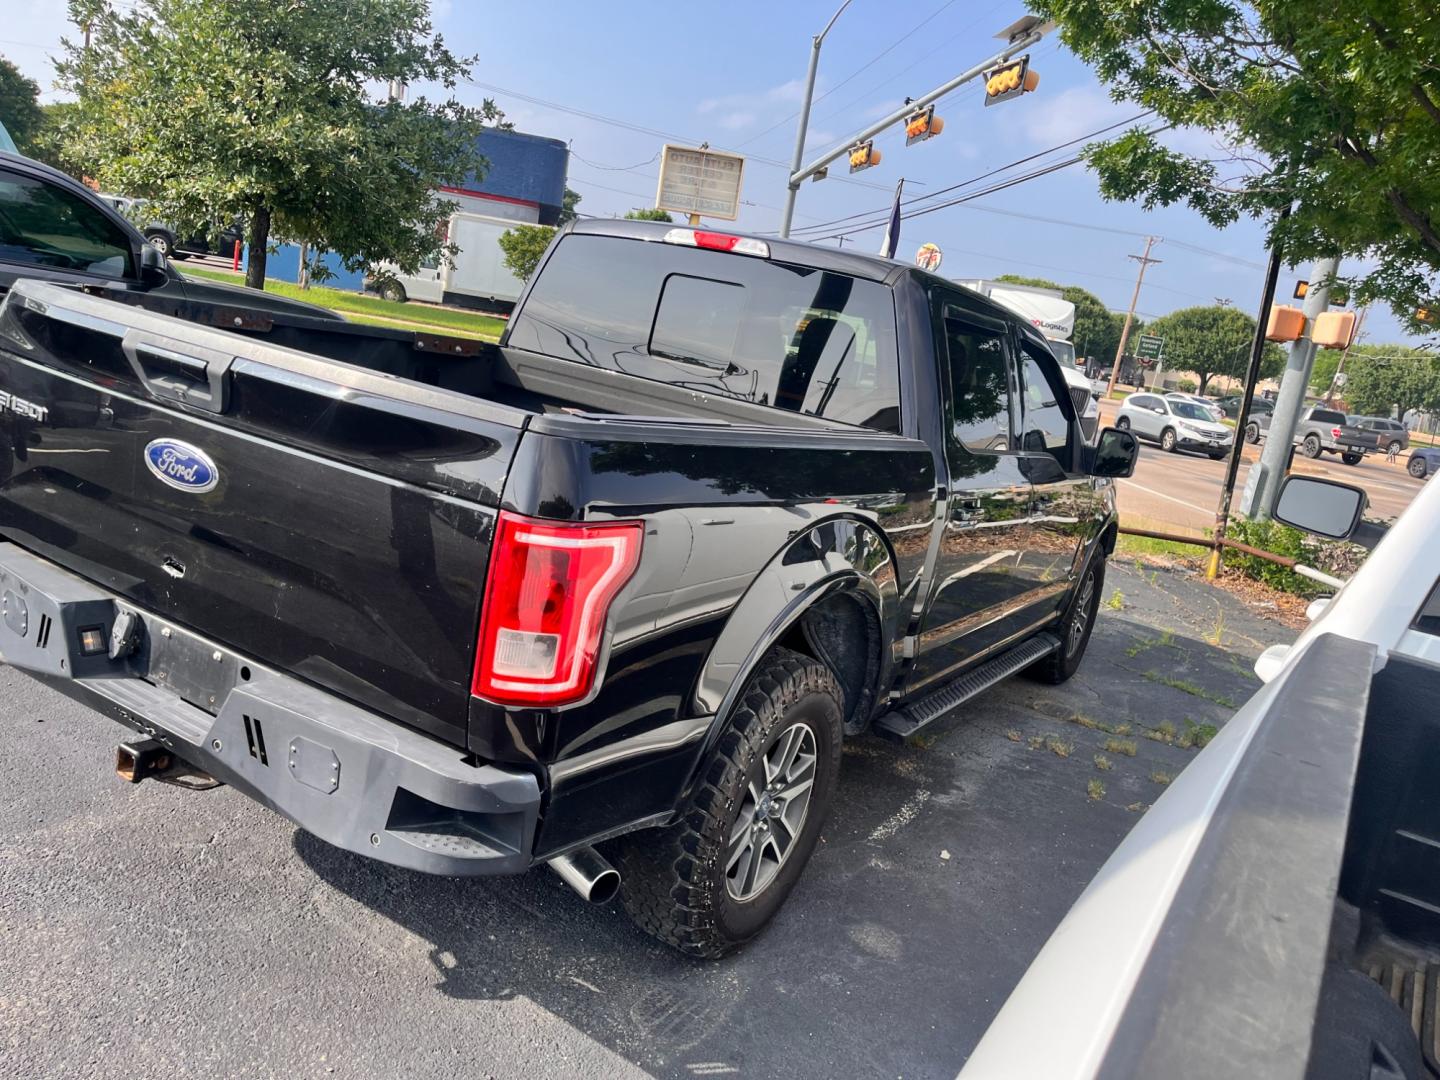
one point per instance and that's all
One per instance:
(1010, 80)
(863, 156)
(1426, 315)
(922, 125)
(1301, 288)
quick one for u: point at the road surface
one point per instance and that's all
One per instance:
(1182, 489)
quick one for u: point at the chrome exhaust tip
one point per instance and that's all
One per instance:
(587, 872)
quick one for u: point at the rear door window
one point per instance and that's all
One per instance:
(787, 336)
(1326, 416)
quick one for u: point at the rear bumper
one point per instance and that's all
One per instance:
(356, 780)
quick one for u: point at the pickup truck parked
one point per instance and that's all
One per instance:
(1322, 430)
(1276, 913)
(714, 504)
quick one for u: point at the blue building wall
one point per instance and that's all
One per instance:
(529, 167)
(284, 265)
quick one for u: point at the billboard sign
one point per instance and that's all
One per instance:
(697, 180)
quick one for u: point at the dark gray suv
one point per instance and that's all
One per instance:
(1393, 434)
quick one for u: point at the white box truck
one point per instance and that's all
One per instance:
(477, 278)
(1054, 316)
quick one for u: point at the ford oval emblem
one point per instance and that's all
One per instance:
(181, 465)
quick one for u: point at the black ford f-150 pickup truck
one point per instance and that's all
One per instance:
(627, 579)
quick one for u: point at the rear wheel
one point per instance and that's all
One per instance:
(160, 242)
(1217, 455)
(394, 291)
(1417, 468)
(1311, 446)
(1351, 458)
(1123, 423)
(1252, 432)
(711, 882)
(1168, 442)
(1075, 626)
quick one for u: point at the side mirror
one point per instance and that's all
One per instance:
(153, 270)
(1113, 455)
(1323, 507)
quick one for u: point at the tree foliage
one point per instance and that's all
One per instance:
(1212, 341)
(568, 204)
(1381, 377)
(523, 246)
(1332, 107)
(215, 109)
(648, 214)
(20, 110)
(1097, 328)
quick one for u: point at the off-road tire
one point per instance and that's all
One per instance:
(1252, 433)
(1310, 447)
(1065, 661)
(673, 880)
(1169, 441)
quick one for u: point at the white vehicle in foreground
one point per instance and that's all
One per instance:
(1276, 913)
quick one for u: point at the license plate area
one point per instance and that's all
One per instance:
(188, 666)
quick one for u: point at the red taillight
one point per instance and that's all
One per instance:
(1335, 433)
(715, 240)
(546, 596)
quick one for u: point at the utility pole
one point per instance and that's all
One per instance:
(1144, 261)
(1263, 485)
(1340, 367)
(798, 157)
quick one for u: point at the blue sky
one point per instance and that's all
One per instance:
(733, 76)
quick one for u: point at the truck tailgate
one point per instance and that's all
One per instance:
(328, 520)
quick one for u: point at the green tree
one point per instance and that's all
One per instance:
(567, 207)
(1212, 341)
(20, 110)
(1334, 108)
(1097, 328)
(523, 246)
(262, 109)
(648, 214)
(1379, 377)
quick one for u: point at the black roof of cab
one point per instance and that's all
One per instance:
(798, 252)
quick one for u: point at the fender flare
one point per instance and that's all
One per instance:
(838, 556)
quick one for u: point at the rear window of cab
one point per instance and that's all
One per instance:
(790, 337)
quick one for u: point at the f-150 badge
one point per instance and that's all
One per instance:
(181, 465)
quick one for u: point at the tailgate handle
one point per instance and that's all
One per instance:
(179, 371)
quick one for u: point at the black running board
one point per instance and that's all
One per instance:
(906, 721)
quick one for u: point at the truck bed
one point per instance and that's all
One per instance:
(359, 470)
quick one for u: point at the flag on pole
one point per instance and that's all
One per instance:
(892, 230)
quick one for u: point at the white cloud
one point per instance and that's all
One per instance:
(737, 111)
(1070, 114)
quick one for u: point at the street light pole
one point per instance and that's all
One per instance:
(799, 156)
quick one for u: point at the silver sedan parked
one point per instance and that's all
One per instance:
(1176, 424)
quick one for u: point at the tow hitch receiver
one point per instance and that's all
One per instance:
(138, 760)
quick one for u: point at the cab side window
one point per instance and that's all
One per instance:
(44, 225)
(977, 358)
(1045, 427)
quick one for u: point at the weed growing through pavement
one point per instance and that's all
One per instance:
(1116, 601)
(1121, 746)
(1095, 789)
(1161, 777)
(1187, 687)
(1059, 747)
(1036, 741)
(1137, 808)
(1103, 763)
(1014, 736)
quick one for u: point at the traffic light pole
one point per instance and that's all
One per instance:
(799, 174)
(1289, 402)
(788, 215)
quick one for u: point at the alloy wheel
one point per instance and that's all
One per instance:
(1075, 632)
(772, 815)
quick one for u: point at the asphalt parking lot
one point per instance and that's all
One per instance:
(152, 931)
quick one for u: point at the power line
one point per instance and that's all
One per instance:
(982, 176)
(617, 168)
(668, 136)
(877, 57)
